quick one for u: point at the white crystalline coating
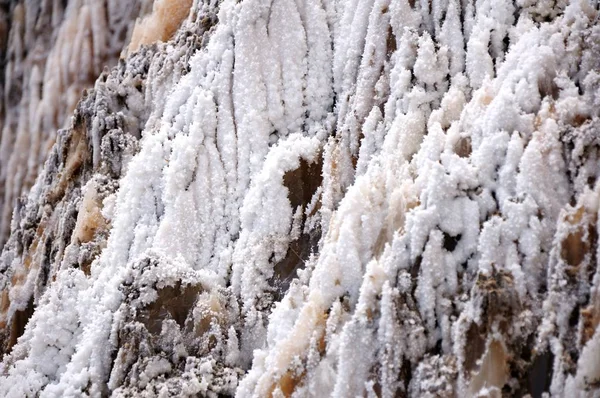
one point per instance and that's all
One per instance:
(327, 198)
(43, 357)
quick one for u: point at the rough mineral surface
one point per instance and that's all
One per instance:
(307, 198)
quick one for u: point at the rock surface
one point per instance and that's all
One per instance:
(300, 198)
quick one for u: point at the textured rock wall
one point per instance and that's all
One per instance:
(50, 51)
(318, 198)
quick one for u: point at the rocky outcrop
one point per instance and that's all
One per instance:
(315, 198)
(49, 52)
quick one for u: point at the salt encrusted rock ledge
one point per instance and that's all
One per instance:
(301, 198)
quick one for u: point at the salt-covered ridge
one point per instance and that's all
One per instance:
(320, 198)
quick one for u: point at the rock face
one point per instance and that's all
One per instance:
(49, 52)
(300, 198)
